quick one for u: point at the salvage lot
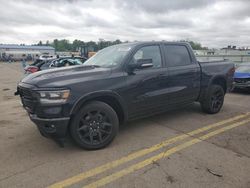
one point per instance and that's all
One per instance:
(29, 160)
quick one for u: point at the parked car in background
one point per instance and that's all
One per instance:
(47, 57)
(118, 84)
(242, 76)
(66, 61)
(43, 64)
(36, 65)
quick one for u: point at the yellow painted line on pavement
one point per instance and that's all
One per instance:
(140, 153)
(151, 160)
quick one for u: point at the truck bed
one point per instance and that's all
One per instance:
(212, 70)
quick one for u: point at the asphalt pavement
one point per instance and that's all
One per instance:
(183, 148)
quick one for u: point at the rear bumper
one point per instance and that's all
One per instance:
(54, 127)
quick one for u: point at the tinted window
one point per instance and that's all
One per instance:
(177, 55)
(38, 61)
(149, 52)
(45, 64)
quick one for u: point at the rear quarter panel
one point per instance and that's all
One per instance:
(216, 70)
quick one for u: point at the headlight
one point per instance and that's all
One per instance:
(53, 97)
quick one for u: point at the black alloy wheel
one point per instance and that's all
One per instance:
(217, 100)
(214, 99)
(95, 125)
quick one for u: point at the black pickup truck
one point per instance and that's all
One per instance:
(121, 83)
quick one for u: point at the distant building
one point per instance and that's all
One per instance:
(17, 52)
(68, 53)
(229, 50)
(232, 50)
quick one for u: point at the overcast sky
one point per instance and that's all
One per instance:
(214, 23)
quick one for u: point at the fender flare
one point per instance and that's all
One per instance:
(217, 77)
(211, 80)
(94, 95)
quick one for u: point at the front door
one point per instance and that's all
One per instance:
(147, 88)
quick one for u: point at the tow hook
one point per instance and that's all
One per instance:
(17, 93)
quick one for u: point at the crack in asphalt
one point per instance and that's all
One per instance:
(22, 171)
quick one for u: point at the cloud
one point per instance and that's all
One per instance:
(214, 23)
(157, 7)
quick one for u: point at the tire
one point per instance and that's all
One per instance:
(214, 99)
(94, 126)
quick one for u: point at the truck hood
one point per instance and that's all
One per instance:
(241, 75)
(62, 77)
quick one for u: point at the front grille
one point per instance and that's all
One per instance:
(241, 80)
(25, 93)
(28, 99)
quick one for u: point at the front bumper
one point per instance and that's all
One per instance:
(245, 85)
(51, 120)
(53, 127)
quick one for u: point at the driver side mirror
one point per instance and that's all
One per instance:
(140, 64)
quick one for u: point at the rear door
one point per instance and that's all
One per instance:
(183, 75)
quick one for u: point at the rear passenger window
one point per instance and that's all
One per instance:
(177, 55)
(149, 52)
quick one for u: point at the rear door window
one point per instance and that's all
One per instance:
(177, 55)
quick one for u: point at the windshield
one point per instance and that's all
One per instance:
(243, 69)
(109, 57)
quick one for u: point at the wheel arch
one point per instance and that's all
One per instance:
(219, 80)
(109, 97)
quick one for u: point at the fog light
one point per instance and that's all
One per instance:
(50, 128)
